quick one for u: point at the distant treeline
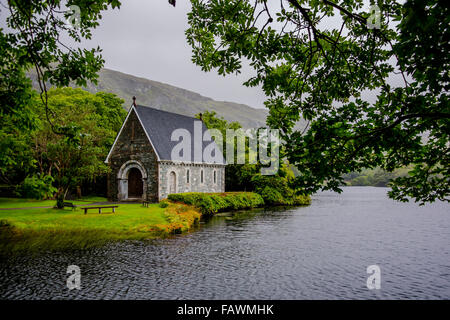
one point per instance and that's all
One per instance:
(374, 177)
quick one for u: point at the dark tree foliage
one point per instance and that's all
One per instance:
(99, 117)
(372, 95)
(237, 176)
(16, 118)
(39, 35)
(275, 189)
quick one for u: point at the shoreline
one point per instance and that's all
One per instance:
(43, 229)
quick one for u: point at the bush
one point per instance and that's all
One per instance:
(277, 190)
(37, 187)
(300, 200)
(210, 203)
(163, 204)
(271, 196)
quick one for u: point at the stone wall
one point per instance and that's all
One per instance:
(194, 184)
(132, 149)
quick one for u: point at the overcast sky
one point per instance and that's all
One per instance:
(146, 39)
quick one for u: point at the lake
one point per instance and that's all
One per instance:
(320, 251)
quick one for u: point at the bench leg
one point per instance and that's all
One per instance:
(99, 210)
(85, 211)
(114, 210)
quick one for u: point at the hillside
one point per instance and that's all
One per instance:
(169, 98)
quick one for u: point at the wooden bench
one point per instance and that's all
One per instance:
(145, 203)
(100, 208)
(70, 205)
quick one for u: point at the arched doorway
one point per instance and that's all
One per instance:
(135, 184)
(172, 183)
(132, 177)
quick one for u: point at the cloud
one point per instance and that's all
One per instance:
(146, 39)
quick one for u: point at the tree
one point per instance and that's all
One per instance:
(98, 116)
(16, 121)
(34, 40)
(237, 176)
(276, 189)
(330, 63)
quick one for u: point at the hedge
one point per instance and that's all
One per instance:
(211, 203)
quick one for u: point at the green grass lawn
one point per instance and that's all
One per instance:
(126, 216)
(25, 203)
(41, 228)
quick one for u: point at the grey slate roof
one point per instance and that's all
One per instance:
(159, 126)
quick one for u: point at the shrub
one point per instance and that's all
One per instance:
(302, 200)
(277, 190)
(271, 196)
(210, 203)
(180, 219)
(37, 187)
(163, 204)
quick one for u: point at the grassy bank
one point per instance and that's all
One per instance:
(34, 229)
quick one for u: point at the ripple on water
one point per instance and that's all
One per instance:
(315, 252)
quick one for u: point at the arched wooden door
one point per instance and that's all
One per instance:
(172, 182)
(135, 184)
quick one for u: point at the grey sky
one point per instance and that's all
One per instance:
(146, 39)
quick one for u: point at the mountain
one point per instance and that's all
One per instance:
(170, 98)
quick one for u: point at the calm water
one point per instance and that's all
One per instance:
(316, 252)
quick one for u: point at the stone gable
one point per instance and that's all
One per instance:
(134, 148)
